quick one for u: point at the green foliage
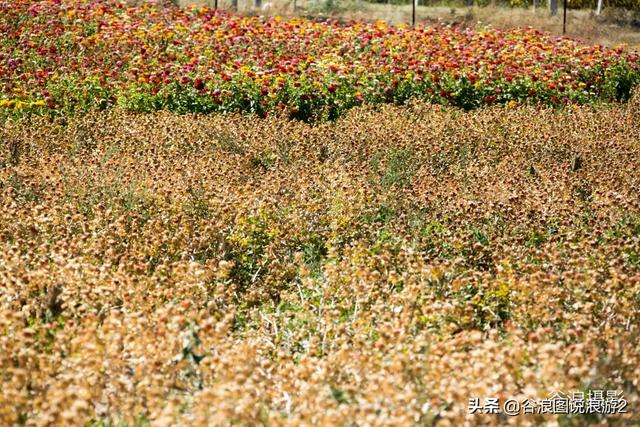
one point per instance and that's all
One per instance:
(314, 251)
(490, 306)
(311, 102)
(139, 421)
(395, 168)
(247, 249)
(264, 159)
(25, 192)
(620, 82)
(341, 396)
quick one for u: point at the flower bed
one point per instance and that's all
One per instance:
(69, 56)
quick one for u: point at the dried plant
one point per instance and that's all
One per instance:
(379, 270)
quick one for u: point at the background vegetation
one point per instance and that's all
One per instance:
(76, 57)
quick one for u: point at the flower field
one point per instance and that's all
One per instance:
(381, 269)
(65, 57)
(365, 247)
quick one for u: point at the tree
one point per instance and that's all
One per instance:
(553, 7)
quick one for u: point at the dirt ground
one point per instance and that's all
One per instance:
(613, 27)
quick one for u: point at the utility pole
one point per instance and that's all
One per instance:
(413, 12)
(564, 19)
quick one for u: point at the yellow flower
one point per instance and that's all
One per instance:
(512, 104)
(381, 25)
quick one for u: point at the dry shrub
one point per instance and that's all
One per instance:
(380, 270)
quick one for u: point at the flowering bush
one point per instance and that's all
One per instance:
(66, 56)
